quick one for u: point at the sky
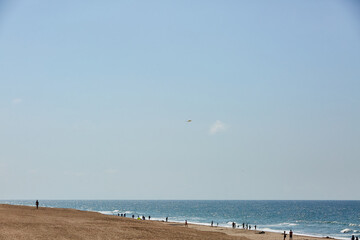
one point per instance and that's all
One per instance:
(95, 98)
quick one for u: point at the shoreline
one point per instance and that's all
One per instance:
(17, 221)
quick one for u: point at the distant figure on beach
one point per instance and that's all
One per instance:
(124, 214)
(166, 219)
(133, 216)
(118, 214)
(37, 204)
(138, 218)
(149, 217)
(352, 237)
(186, 223)
(255, 227)
(284, 235)
(290, 234)
(143, 217)
(243, 225)
(217, 224)
(121, 214)
(249, 227)
(234, 225)
(357, 238)
(212, 223)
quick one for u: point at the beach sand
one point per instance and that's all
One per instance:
(24, 222)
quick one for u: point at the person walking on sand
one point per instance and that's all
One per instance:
(37, 204)
(255, 227)
(186, 223)
(149, 217)
(166, 219)
(290, 234)
(352, 237)
(212, 223)
(284, 235)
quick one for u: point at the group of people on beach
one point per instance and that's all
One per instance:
(133, 216)
(138, 217)
(290, 234)
(354, 238)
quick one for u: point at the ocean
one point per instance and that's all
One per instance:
(337, 219)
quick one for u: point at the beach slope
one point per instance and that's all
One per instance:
(24, 222)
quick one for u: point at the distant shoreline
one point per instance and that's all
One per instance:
(18, 221)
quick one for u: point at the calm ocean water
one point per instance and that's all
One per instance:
(338, 219)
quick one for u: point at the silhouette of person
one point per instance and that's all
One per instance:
(166, 219)
(352, 237)
(212, 223)
(37, 204)
(255, 227)
(284, 235)
(186, 223)
(149, 217)
(290, 234)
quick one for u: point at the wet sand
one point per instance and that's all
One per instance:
(23, 222)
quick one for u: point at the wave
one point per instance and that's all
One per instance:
(346, 230)
(354, 225)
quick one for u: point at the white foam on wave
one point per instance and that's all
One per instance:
(288, 224)
(354, 225)
(346, 230)
(271, 230)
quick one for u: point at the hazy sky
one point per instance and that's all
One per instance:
(95, 98)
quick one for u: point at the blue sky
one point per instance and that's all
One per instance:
(95, 95)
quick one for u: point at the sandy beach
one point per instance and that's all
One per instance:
(24, 222)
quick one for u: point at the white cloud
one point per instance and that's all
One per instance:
(218, 126)
(17, 101)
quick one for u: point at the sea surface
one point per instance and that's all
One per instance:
(337, 219)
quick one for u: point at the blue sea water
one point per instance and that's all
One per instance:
(338, 219)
